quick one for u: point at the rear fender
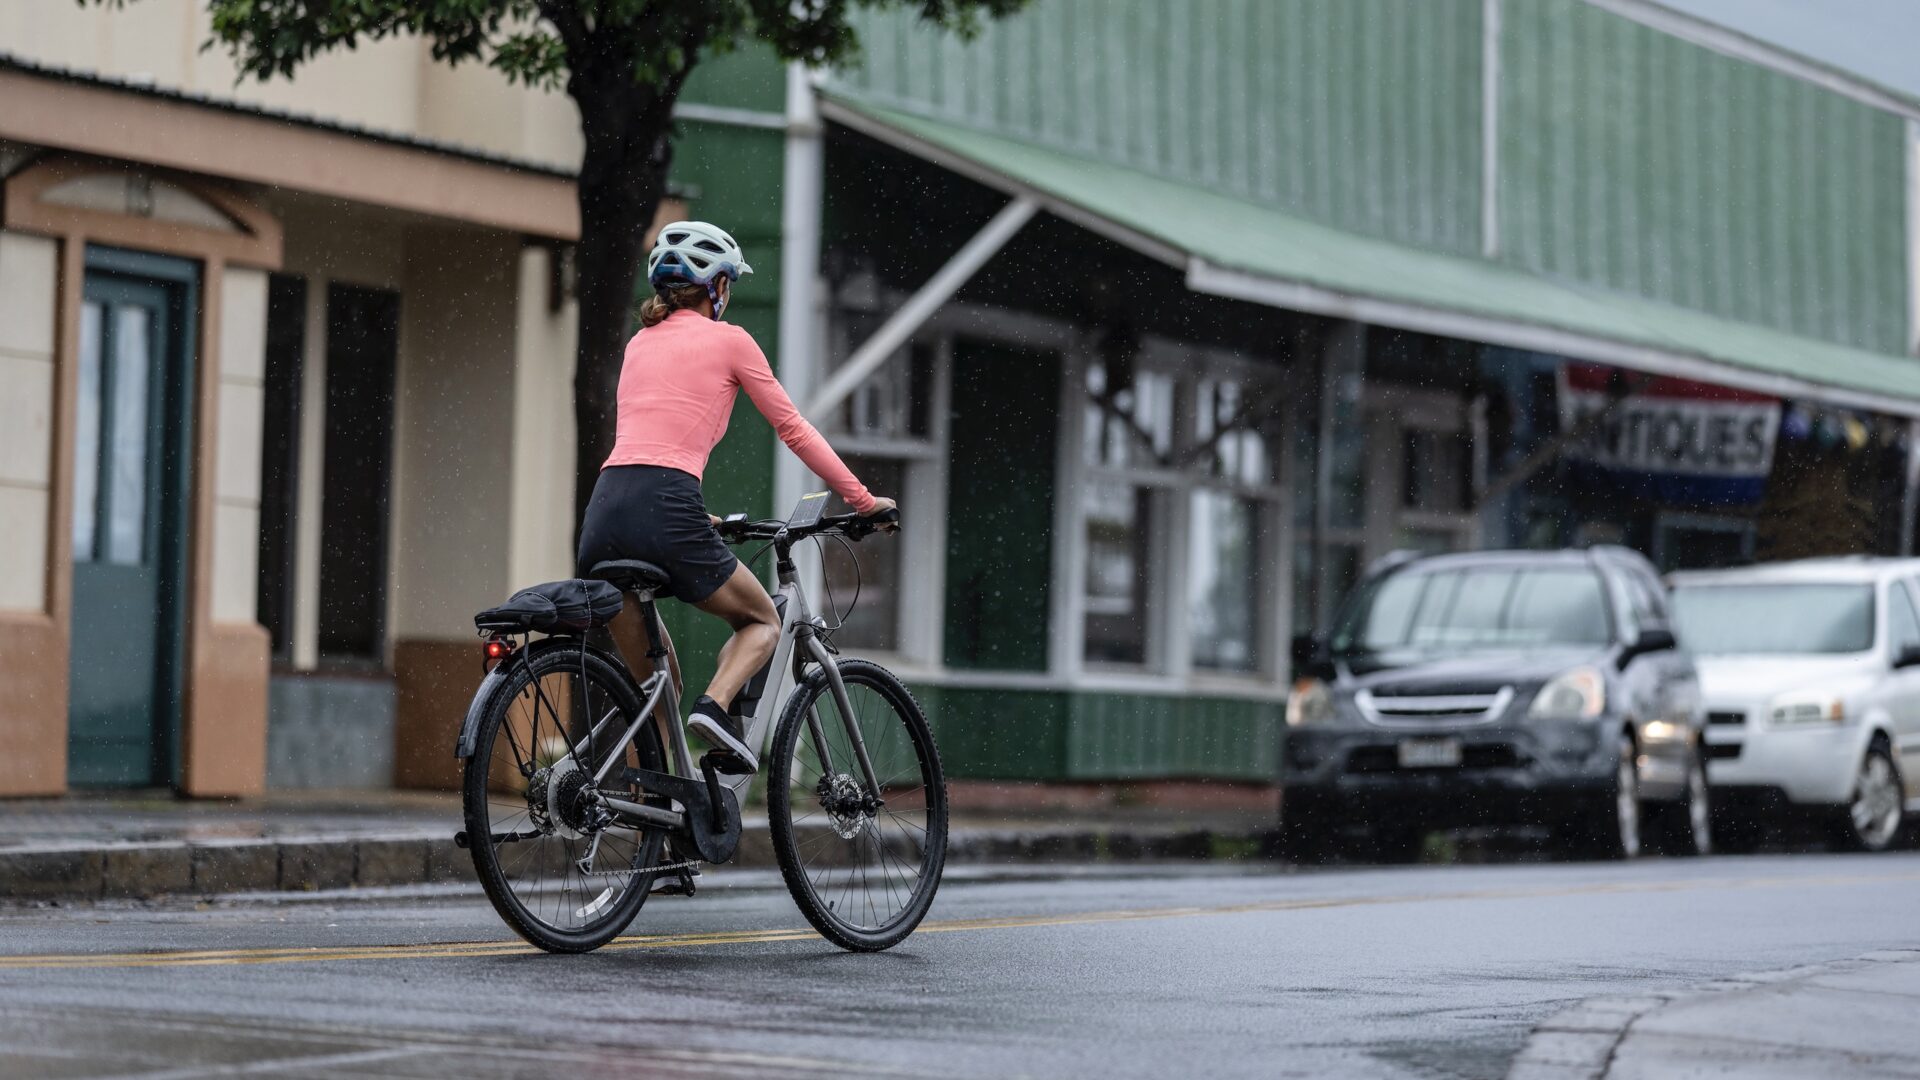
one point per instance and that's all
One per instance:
(496, 682)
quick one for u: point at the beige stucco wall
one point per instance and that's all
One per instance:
(542, 506)
(236, 506)
(393, 85)
(452, 513)
(29, 276)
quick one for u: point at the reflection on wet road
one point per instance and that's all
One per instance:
(1398, 972)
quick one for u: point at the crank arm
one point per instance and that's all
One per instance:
(641, 816)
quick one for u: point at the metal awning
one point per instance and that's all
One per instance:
(1233, 248)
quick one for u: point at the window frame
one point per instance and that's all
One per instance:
(1169, 655)
(922, 624)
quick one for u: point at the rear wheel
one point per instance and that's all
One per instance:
(1872, 821)
(862, 865)
(555, 869)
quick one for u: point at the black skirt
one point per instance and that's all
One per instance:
(655, 514)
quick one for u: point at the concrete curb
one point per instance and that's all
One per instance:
(1601, 1038)
(79, 873)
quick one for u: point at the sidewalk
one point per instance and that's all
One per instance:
(130, 847)
(1853, 1018)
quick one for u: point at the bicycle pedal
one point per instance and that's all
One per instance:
(726, 764)
(679, 883)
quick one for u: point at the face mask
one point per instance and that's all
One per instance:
(719, 299)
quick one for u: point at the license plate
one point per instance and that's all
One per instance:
(1429, 753)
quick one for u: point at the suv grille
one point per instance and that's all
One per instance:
(1726, 718)
(1382, 759)
(1408, 710)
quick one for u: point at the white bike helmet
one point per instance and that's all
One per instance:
(696, 253)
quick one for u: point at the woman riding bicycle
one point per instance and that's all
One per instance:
(677, 388)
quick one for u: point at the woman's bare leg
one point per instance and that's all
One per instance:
(744, 604)
(630, 634)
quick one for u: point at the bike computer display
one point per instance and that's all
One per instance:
(808, 510)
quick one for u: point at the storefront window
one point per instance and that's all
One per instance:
(1233, 430)
(1129, 420)
(1181, 479)
(1222, 594)
(1118, 524)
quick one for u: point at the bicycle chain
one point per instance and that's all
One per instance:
(686, 865)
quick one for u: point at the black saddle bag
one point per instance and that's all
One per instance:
(558, 607)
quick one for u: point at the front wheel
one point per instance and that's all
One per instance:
(1608, 825)
(1872, 821)
(862, 864)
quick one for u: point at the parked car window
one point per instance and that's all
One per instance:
(1774, 619)
(1903, 626)
(1469, 609)
(1649, 605)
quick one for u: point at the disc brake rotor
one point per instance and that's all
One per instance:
(848, 809)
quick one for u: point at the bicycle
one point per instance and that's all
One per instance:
(575, 806)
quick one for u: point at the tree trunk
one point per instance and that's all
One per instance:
(622, 178)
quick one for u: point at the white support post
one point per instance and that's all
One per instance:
(801, 197)
(1490, 128)
(1913, 236)
(921, 305)
(310, 491)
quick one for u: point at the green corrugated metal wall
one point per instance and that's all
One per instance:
(1361, 113)
(988, 733)
(1628, 159)
(1636, 161)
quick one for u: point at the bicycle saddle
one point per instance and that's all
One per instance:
(630, 575)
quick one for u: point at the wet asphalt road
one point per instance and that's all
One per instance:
(1416, 971)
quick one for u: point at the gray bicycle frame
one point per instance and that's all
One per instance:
(798, 630)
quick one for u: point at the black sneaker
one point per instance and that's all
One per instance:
(712, 723)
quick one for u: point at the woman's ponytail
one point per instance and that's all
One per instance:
(653, 310)
(669, 299)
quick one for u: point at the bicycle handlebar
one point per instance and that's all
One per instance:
(737, 529)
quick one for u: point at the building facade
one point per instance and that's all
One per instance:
(284, 364)
(1162, 320)
(1168, 319)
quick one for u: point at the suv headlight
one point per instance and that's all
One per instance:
(1580, 694)
(1805, 710)
(1309, 703)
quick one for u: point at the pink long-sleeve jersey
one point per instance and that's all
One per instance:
(677, 387)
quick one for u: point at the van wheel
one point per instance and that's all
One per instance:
(1871, 822)
(1686, 827)
(1608, 826)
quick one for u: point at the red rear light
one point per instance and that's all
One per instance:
(498, 648)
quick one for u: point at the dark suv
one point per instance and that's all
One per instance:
(1498, 687)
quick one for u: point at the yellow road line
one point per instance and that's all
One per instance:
(478, 949)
